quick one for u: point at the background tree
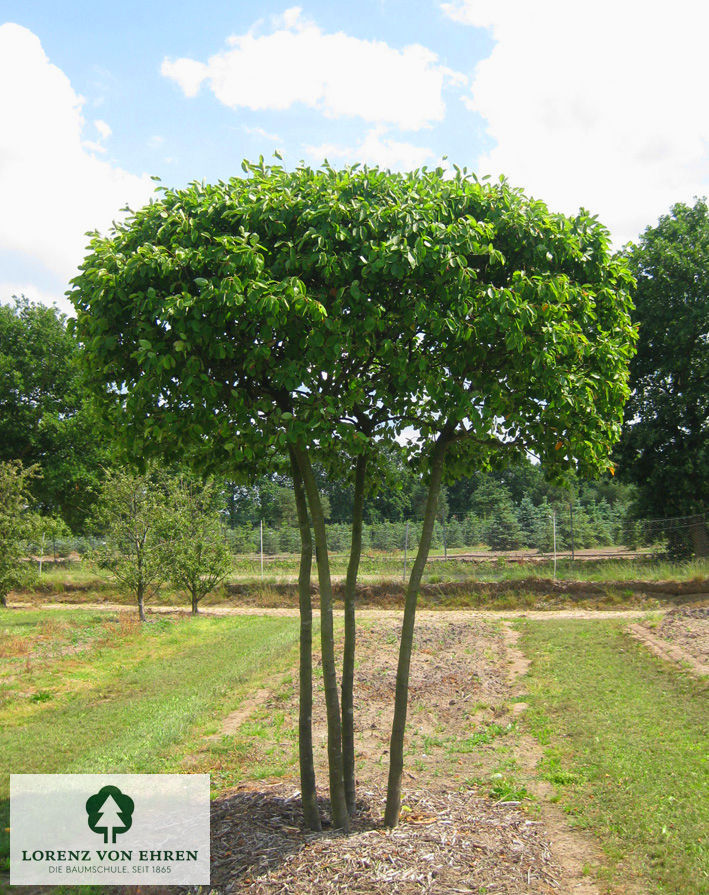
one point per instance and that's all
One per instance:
(17, 525)
(130, 517)
(665, 443)
(45, 413)
(197, 557)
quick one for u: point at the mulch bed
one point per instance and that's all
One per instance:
(447, 842)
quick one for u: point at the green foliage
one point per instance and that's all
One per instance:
(17, 525)
(299, 305)
(665, 449)
(45, 415)
(196, 555)
(325, 312)
(130, 516)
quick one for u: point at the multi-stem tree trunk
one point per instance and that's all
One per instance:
(340, 816)
(305, 721)
(348, 659)
(396, 748)
(195, 603)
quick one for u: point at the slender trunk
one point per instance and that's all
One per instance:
(195, 603)
(348, 659)
(141, 581)
(308, 788)
(340, 817)
(3, 600)
(396, 748)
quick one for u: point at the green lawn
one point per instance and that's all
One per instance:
(89, 693)
(626, 743)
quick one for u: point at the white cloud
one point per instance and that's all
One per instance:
(188, 73)
(375, 149)
(53, 190)
(339, 75)
(596, 104)
(103, 129)
(260, 132)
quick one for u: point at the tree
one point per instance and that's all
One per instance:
(324, 312)
(665, 443)
(197, 558)
(130, 518)
(17, 525)
(45, 415)
(110, 812)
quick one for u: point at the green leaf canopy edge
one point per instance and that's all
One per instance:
(227, 321)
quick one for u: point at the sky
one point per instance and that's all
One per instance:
(597, 105)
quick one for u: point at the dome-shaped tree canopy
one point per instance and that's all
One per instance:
(293, 301)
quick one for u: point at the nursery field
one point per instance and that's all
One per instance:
(547, 752)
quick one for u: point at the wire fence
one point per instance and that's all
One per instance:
(572, 530)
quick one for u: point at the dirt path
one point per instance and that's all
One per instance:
(362, 614)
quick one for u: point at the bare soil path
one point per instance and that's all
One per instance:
(362, 614)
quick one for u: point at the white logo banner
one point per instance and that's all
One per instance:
(75, 829)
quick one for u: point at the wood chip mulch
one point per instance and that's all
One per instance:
(447, 842)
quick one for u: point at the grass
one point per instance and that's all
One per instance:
(626, 746)
(107, 695)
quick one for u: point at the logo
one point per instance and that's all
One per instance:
(70, 830)
(110, 812)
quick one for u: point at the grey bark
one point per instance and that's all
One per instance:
(348, 659)
(340, 816)
(396, 747)
(308, 788)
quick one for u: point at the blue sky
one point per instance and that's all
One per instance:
(600, 105)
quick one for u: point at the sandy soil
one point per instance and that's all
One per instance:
(682, 636)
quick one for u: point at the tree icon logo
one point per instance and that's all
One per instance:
(110, 812)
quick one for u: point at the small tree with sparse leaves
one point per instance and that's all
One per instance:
(130, 517)
(197, 557)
